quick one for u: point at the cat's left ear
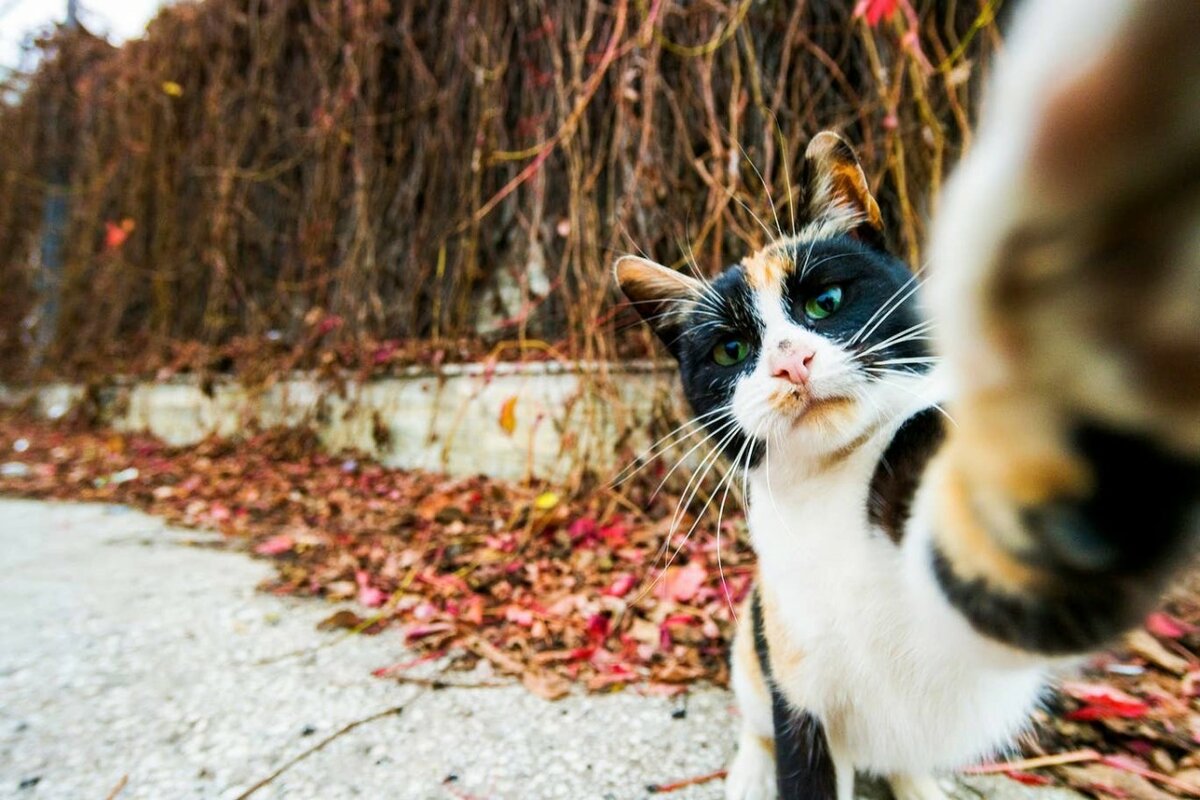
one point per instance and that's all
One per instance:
(837, 189)
(663, 296)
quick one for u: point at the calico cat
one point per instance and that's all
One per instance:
(816, 351)
(921, 577)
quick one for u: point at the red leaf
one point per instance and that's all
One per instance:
(368, 595)
(421, 631)
(1096, 693)
(275, 545)
(116, 234)
(621, 586)
(1095, 711)
(1028, 778)
(681, 583)
(521, 616)
(875, 11)
(1163, 624)
(597, 628)
(582, 530)
(1103, 702)
(614, 535)
(329, 324)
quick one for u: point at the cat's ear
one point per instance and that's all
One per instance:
(662, 296)
(837, 189)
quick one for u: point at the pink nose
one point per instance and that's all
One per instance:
(795, 365)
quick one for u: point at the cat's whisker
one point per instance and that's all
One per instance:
(913, 333)
(862, 332)
(686, 499)
(747, 452)
(909, 360)
(787, 177)
(767, 189)
(922, 397)
(653, 451)
(711, 464)
(809, 267)
(719, 431)
(896, 305)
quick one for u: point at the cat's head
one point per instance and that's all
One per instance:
(811, 343)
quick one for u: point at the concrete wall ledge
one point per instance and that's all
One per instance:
(505, 419)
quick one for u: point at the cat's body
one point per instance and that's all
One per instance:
(919, 579)
(809, 363)
(900, 684)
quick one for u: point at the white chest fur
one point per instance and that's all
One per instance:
(900, 682)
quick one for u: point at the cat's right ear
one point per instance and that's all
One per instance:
(663, 296)
(838, 190)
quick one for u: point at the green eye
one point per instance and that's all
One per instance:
(730, 352)
(821, 305)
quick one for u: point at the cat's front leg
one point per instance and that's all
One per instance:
(751, 774)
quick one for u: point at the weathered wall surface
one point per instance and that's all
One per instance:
(559, 417)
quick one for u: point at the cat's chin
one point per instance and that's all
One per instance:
(815, 427)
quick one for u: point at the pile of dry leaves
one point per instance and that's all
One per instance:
(558, 590)
(546, 587)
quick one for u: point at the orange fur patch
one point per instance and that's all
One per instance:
(965, 540)
(1008, 441)
(786, 658)
(746, 656)
(767, 269)
(849, 188)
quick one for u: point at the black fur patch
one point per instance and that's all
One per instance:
(804, 767)
(899, 471)
(727, 310)
(1105, 556)
(879, 301)
(1072, 617)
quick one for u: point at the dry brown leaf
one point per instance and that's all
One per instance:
(546, 685)
(1113, 782)
(1149, 648)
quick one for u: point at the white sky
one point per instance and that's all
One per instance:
(117, 19)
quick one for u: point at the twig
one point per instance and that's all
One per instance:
(1116, 762)
(663, 788)
(437, 684)
(387, 712)
(120, 787)
(1054, 760)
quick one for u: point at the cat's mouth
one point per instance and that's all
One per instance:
(803, 408)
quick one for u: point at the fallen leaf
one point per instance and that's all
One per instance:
(415, 632)
(368, 595)
(508, 415)
(1103, 702)
(1112, 781)
(621, 586)
(1150, 649)
(546, 501)
(682, 583)
(276, 545)
(1163, 624)
(1028, 778)
(340, 620)
(875, 11)
(546, 685)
